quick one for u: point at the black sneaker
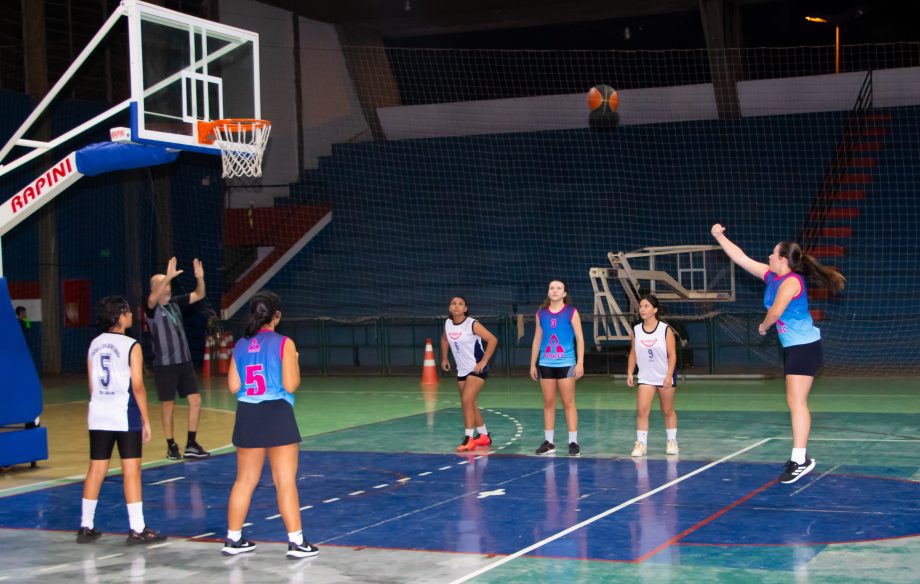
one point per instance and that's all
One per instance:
(795, 471)
(240, 546)
(546, 448)
(304, 550)
(144, 537)
(194, 450)
(574, 449)
(88, 535)
(172, 452)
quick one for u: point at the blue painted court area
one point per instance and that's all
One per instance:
(502, 504)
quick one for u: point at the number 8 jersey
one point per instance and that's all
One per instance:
(258, 362)
(111, 404)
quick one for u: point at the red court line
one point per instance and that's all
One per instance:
(709, 519)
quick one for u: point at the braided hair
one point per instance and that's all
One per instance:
(262, 310)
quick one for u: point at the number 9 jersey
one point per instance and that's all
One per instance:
(112, 405)
(258, 362)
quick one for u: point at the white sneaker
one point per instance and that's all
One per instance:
(639, 449)
(672, 447)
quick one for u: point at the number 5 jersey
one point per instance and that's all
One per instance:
(111, 404)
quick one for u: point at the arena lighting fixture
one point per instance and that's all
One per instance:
(836, 24)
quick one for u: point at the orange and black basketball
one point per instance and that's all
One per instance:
(603, 99)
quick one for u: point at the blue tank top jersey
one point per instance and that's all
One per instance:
(795, 326)
(258, 362)
(558, 337)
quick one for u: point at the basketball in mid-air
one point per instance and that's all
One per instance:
(603, 99)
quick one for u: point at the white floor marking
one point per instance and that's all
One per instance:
(164, 481)
(600, 516)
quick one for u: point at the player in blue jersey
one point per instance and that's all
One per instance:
(117, 415)
(786, 301)
(557, 360)
(463, 337)
(264, 374)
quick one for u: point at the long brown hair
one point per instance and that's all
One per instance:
(565, 288)
(807, 265)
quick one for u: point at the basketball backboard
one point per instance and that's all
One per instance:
(185, 69)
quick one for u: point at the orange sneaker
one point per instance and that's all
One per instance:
(465, 445)
(483, 440)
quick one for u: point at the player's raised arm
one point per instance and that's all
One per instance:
(736, 254)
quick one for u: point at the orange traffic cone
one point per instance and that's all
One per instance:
(206, 365)
(429, 368)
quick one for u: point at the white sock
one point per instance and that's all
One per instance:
(482, 430)
(468, 432)
(136, 516)
(642, 436)
(573, 437)
(89, 513)
(296, 537)
(672, 433)
(234, 535)
(798, 455)
(548, 435)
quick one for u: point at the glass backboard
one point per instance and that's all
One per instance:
(185, 69)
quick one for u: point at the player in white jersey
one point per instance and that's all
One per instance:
(654, 349)
(117, 415)
(464, 336)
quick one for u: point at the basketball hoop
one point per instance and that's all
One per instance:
(241, 141)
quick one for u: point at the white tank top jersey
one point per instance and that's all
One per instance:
(112, 405)
(652, 354)
(465, 346)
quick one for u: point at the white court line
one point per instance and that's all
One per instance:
(110, 556)
(821, 476)
(424, 474)
(599, 516)
(270, 517)
(355, 493)
(247, 524)
(863, 440)
(54, 567)
(444, 467)
(381, 486)
(164, 481)
(208, 534)
(404, 479)
(305, 507)
(159, 545)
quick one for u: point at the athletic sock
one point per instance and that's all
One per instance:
(672, 433)
(89, 513)
(191, 437)
(234, 535)
(136, 516)
(573, 437)
(548, 435)
(468, 432)
(296, 537)
(482, 430)
(642, 436)
(798, 455)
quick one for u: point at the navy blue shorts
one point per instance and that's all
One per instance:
(557, 372)
(803, 359)
(265, 424)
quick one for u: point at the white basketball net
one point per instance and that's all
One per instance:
(242, 144)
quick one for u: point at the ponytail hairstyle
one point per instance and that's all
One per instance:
(109, 310)
(565, 299)
(807, 265)
(263, 308)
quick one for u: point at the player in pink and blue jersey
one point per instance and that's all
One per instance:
(557, 360)
(786, 301)
(264, 374)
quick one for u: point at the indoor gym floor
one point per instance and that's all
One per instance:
(388, 500)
